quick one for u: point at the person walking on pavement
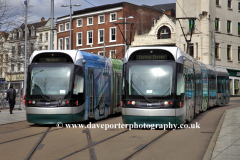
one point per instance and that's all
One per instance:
(11, 96)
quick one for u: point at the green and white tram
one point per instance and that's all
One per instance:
(163, 85)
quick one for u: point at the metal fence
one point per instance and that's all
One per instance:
(18, 86)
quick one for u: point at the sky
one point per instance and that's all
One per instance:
(42, 8)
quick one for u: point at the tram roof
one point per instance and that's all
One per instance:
(175, 51)
(73, 54)
(221, 70)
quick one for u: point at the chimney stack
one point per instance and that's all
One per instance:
(42, 19)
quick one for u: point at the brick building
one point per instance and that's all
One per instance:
(92, 26)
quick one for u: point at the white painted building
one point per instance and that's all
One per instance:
(162, 33)
(218, 24)
(43, 34)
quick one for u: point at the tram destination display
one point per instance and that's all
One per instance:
(53, 59)
(151, 57)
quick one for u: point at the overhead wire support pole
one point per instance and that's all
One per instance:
(25, 66)
(125, 40)
(185, 35)
(52, 23)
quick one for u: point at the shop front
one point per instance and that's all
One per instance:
(234, 79)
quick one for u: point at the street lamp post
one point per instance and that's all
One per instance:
(70, 39)
(120, 18)
(25, 66)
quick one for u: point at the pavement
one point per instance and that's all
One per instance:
(18, 115)
(225, 143)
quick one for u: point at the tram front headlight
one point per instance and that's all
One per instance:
(133, 102)
(33, 102)
(166, 103)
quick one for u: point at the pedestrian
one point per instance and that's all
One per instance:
(11, 96)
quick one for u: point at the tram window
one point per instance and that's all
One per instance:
(87, 84)
(180, 84)
(78, 82)
(157, 82)
(224, 85)
(186, 82)
(123, 85)
(227, 85)
(219, 85)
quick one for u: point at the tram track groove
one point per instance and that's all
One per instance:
(92, 145)
(26, 136)
(91, 150)
(29, 156)
(147, 145)
(19, 129)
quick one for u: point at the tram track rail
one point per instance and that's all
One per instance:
(32, 135)
(29, 156)
(147, 145)
(91, 145)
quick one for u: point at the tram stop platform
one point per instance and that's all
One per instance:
(225, 143)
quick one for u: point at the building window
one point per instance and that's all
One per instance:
(67, 43)
(228, 26)
(67, 26)
(238, 6)
(238, 53)
(100, 53)
(113, 17)
(46, 36)
(33, 33)
(46, 47)
(217, 50)
(31, 48)
(101, 19)
(12, 67)
(19, 50)
(216, 24)
(112, 54)
(60, 47)
(79, 38)
(60, 27)
(100, 35)
(40, 48)
(238, 28)
(196, 51)
(89, 37)
(79, 23)
(90, 21)
(191, 49)
(1, 59)
(19, 67)
(6, 58)
(229, 56)
(229, 3)
(112, 34)
(153, 21)
(217, 2)
(40, 37)
(13, 50)
(164, 33)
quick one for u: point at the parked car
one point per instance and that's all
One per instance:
(3, 95)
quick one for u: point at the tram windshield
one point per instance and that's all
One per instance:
(149, 78)
(50, 80)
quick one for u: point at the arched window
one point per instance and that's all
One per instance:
(164, 33)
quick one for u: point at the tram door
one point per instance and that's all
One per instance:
(91, 93)
(118, 91)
